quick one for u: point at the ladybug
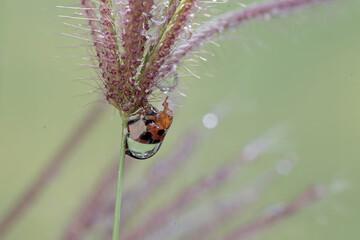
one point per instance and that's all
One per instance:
(150, 127)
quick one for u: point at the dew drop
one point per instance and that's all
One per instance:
(168, 85)
(267, 17)
(141, 144)
(210, 120)
(243, 5)
(339, 185)
(141, 150)
(158, 22)
(285, 167)
(321, 220)
(186, 34)
(166, 4)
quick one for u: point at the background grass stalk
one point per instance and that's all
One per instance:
(119, 187)
(51, 171)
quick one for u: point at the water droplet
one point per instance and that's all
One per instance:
(210, 120)
(166, 4)
(141, 150)
(267, 17)
(273, 209)
(285, 166)
(243, 5)
(186, 33)
(144, 134)
(158, 22)
(321, 220)
(168, 85)
(339, 185)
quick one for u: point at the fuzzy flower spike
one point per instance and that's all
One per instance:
(138, 46)
(132, 40)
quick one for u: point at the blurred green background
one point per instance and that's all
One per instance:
(302, 71)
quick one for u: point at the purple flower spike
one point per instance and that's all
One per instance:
(131, 44)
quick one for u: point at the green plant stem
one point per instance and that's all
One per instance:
(120, 181)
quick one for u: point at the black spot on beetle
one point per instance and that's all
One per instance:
(147, 122)
(146, 136)
(161, 132)
(155, 141)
